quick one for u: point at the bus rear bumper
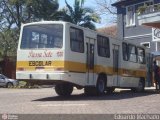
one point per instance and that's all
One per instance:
(41, 76)
(52, 77)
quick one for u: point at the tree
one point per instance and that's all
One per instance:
(43, 9)
(79, 15)
(109, 30)
(15, 12)
(104, 8)
(8, 45)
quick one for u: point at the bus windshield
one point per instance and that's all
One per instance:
(42, 36)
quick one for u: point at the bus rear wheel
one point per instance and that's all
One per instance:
(140, 87)
(101, 85)
(99, 89)
(64, 89)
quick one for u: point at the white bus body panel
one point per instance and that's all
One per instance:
(83, 78)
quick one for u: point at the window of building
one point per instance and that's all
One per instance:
(125, 51)
(141, 55)
(146, 44)
(77, 40)
(103, 46)
(132, 53)
(130, 15)
(157, 46)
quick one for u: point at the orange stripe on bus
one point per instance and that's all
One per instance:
(81, 67)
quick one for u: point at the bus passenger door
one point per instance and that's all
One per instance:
(90, 45)
(149, 64)
(115, 65)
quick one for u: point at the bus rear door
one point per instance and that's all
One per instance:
(116, 59)
(90, 59)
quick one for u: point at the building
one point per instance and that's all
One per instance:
(138, 21)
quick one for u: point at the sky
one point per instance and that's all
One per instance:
(71, 2)
(88, 3)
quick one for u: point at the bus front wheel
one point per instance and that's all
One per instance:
(101, 85)
(64, 89)
(140, 87)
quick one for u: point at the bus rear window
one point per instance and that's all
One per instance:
(42, 36)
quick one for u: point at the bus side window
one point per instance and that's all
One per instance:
(125, 51)
(132, 55)
(141, 55)
(77, 40)
(26, 39)
(103, 46)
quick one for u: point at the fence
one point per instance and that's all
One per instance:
(8, 67)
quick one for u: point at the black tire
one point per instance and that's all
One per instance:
(9, 85)
(99, 89)
(64, 89)
(101, 85)
(140, 87)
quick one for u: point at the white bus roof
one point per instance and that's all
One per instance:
(63, 22)
(45, 22)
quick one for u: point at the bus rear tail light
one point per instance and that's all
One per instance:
(59, 69)
(21, 69)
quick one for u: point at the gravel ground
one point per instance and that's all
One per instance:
(46, 101)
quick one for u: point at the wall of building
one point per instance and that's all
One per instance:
(136, 33)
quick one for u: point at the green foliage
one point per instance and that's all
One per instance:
(8, 45)
(146, 9)
(15, 12)
(80, 15)
(43, 9)
(141, 9)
